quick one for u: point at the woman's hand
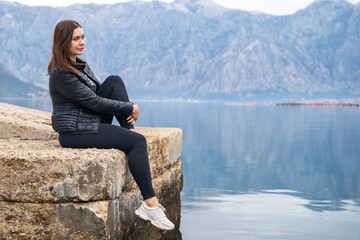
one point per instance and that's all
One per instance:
(134, 116)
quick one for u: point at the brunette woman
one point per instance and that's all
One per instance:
(83, 109)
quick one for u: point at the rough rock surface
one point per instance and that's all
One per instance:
(50, 192)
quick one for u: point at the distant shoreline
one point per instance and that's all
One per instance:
(285, 104)
(331, 105)
(295, 104)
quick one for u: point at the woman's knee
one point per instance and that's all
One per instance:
(140, 140)
(115, 80)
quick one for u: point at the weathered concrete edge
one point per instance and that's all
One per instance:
(97, 174)
(112, 219)
(164, 148)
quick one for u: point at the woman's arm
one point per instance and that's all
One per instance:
(73, 89)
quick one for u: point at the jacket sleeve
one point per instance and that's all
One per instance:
(70, 86)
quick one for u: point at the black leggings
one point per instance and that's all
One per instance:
(112, 136)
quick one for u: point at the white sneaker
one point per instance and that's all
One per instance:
(155, 215)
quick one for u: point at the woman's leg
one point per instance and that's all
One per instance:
(132, 143)
(114, 88)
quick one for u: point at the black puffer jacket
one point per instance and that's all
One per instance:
(76, 107)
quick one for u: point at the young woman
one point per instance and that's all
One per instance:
(83, 109)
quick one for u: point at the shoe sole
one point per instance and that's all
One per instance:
(152, 222)
(141, 215)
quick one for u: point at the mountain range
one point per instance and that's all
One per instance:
(196, 49)
(13, 88)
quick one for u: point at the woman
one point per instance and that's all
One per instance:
(83, 109)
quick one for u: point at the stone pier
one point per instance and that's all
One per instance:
(50, 192)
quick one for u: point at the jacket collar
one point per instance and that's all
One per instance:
(85, 68)
(80, 64)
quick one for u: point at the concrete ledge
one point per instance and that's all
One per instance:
(25, 123)
(50, 192)
(43, 171)
(46, 172)
(111, 219)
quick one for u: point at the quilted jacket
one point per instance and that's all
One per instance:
(76, 107)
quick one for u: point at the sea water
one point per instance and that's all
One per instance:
(263, 172)
(266, 172)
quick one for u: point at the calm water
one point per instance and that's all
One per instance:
(264, 172)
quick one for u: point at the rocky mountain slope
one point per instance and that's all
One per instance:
(12, 87)
(197, 49)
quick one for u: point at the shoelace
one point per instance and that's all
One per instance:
(161, 213)
(161, 206)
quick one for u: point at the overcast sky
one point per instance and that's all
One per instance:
(276, 7)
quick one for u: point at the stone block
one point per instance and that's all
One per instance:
(38, 169)
(25, 123)
(110, 219)
(50, 192)
(43, 171)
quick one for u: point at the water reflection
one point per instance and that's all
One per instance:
(267, 215)
(312, 152)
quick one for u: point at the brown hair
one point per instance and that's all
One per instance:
(61, 47)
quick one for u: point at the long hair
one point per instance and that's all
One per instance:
(61, 47)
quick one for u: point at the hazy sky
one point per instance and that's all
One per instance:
(277, 7)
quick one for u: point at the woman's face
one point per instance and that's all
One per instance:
(77, 43)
